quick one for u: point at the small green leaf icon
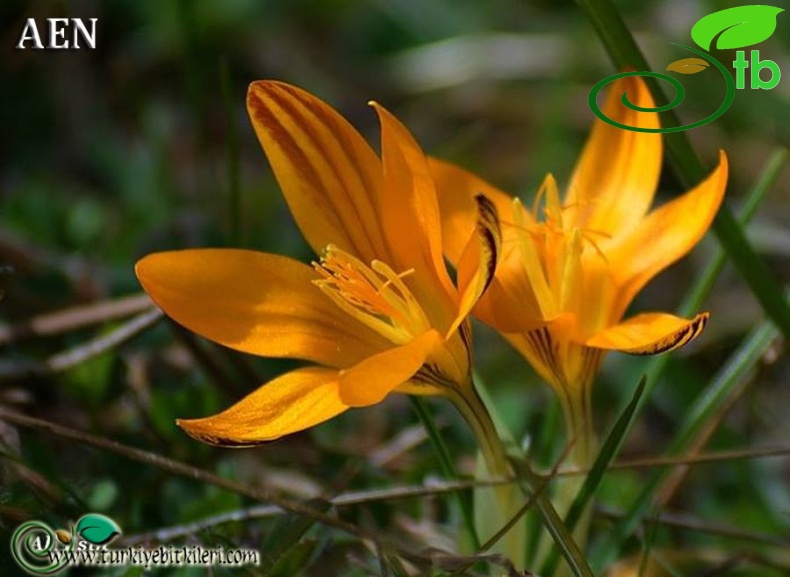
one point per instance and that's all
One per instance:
(97, 529)
(688, 65)
(739, 26)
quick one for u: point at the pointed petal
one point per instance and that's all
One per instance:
(616, 177)
(456, 189)
(292, 402)
(255, 302)
(411, 218)
(665, 235)
(374, 378)
(649, 334)
(479, 259)
(330, 177)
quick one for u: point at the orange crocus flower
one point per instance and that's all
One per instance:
(376, 313)
(570, 269)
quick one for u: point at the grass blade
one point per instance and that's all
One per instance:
(704, 283)
(609, 450)
(447, 465)
(284, 540)
(551, 520)
(728, 379)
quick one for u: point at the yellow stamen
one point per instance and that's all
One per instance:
(533, 263)
(555, 251)
(374, 295)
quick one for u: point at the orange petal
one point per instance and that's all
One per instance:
(617, 174)
(509, 303)
(329, 175)
(479, 259)
(649, 334)
(456, 189)
(374, 378)
(292, 402)
(410, 210)
(509, 307)
(666, 235)
(255, 302)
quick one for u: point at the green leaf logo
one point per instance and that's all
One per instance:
(736, 27)
(97, 529)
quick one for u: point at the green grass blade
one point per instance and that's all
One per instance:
(700, 289)
(694, 300)
(551, 520)
(710, 401)
(542, 451)
(609, 450)
(687, 165)
(295, 561)
(284, 540)
(447, 465)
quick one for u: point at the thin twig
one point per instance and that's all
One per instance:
(701, 459)
(279, 504)
(75, 318)
(201, 475)
(415, 491)
(24, 255)
(675, 480)
(683, 521)
(72, 357)
(177, 468)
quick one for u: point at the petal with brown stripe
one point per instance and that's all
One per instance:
(329, 175)
(456, 190)
(649, 334)
(479, 260)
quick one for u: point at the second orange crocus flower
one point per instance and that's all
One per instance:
(376, 313)
(570, 268)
